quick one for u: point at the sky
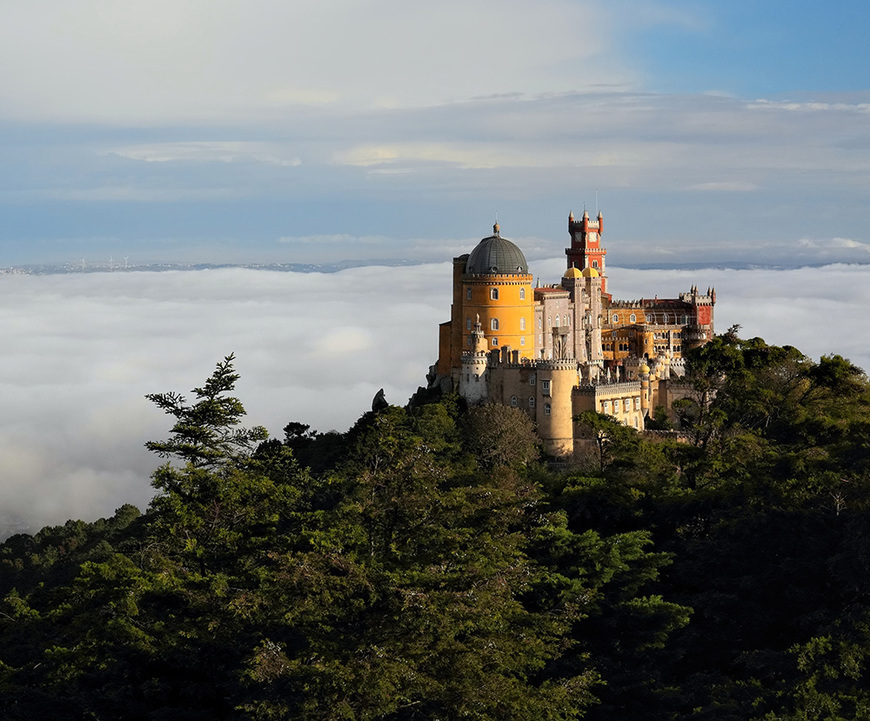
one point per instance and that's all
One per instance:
(707, 131)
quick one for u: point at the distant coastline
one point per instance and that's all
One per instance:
(338, 266)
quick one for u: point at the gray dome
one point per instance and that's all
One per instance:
(496, 256)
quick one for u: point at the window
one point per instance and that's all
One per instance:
(522, 340)
(531, 401)
(632, 318)
(615, 318)
(522, 293)
(468, 294)
(545, 387)
(605, 407)
(549, 321)
(532, 379)
(540, 323)
(546, 409)
(522, 323)
(493, 324)
(493, 293)
(513, 401)
(594, 263)
(469, 340)
(627, 404)
(495, 342)
(468, 324)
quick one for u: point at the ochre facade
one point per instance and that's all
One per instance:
(557, 350)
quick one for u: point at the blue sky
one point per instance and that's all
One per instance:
(263, 131)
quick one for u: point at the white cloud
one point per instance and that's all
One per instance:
(209, 151)
(824, 244)
(82, 350)
(212, 58)
(732, 186)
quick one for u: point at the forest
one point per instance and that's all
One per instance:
(430, 564)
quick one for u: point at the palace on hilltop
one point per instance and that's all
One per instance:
(558, 350)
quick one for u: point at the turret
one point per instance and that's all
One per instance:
(473, 385)
(586, 250)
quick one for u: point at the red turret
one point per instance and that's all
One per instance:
(586, 250)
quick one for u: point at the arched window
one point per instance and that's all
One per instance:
(594, 263)
(493, 324)
(468, 294)
(495, 342)
(632, 318)
(513, 401)
(522, 323)
(522, 293)
(540, 323)
(468, 324)
(531, 401)
(546, 409)
(493, 293)
(522, 340)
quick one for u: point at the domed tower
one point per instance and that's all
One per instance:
(492, 282)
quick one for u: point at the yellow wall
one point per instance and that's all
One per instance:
(509, 309)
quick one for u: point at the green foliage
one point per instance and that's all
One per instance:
(423, 566)
(205, 433)
(500, 436)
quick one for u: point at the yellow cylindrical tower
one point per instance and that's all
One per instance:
(497, 287)
(555, 417)
(643, 371)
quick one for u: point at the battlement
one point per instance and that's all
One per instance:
(621, 388)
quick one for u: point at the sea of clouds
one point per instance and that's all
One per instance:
(80, 351)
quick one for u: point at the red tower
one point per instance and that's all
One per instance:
(586, 250)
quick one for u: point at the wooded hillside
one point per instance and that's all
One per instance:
(428, 565)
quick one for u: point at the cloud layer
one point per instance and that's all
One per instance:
(82, 350)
